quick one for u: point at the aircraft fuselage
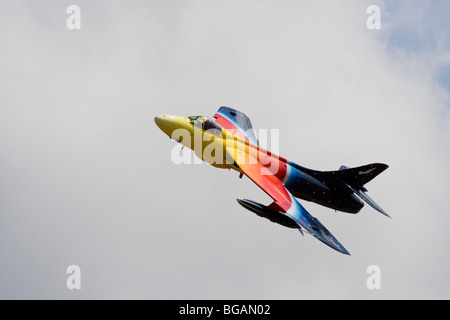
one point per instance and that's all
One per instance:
(210, 147)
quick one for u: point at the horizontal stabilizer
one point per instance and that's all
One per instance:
(368, 200)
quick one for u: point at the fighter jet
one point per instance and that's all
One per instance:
(229, 142)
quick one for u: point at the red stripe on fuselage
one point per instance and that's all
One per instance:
(275, 163)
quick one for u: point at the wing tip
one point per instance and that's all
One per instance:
(345, 251)
(384, 213)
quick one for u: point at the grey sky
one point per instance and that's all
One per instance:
(86, 176)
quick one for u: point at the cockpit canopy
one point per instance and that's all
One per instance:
(195, 118)
(206, 124)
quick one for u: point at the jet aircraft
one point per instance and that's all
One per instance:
(228, 141)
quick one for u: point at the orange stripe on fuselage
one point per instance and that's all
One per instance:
(274, 163)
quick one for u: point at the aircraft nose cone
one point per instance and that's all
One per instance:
(167, 123)
(159, 119)
(162, 121)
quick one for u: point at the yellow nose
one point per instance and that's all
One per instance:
(165, 123)
(169, 123)
(160, 120)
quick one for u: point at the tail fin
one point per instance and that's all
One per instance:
(356, 178)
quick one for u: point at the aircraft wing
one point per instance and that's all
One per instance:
(237, 123)
(283, 199)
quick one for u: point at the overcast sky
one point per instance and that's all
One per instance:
(86, 177)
